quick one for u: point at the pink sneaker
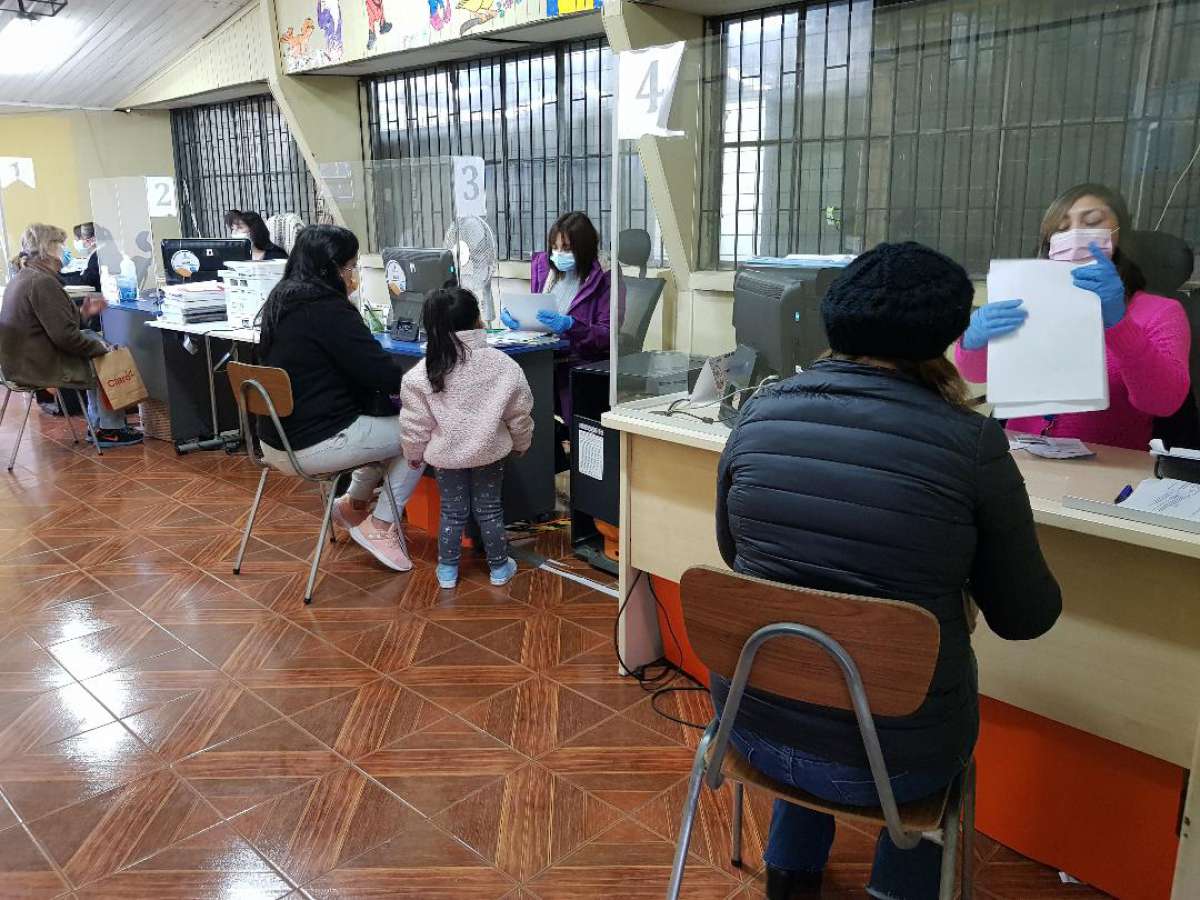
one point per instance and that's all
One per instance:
(345, 515)
(384, 542)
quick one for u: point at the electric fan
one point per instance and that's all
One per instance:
(473, 244)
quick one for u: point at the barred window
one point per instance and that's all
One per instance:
(238, 155)
(952, 122)
(541, 120)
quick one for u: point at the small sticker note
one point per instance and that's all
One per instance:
(591, 451)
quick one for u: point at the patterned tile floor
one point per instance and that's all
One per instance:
(168, 730)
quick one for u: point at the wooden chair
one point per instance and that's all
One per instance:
(11, 387)
(266, 391)
(874, 657)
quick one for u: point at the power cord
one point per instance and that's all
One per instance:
(660, 683)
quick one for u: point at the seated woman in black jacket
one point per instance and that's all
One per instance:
(247, 224)
(341, 379)
(867, 474)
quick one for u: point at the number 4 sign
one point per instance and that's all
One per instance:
(646, 85)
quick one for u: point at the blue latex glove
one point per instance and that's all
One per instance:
(509, 321)
(993, 321)
(554, 321)
(1103, 280)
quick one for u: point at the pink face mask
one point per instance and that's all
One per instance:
(1072, 245)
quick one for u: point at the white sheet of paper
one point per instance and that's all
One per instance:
(591, 451)
(1055, 362)
(1166, 497)
(524, 308)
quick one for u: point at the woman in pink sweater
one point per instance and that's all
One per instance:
(464, 408)
(1146, 336)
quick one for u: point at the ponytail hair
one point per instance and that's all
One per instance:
(447, 311)
(937, 374)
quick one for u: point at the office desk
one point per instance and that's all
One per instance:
(1122, 663)
(201, 402)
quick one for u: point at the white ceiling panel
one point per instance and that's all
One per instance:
(95, 52)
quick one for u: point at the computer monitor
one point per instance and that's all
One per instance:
(200, 259)
(777, 311)
(411, 273)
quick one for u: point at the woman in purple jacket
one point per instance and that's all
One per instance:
(577, 287)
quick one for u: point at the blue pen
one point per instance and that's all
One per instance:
(1124, 495)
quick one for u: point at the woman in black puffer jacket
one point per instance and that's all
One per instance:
(867, 474)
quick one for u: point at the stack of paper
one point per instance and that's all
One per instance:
(1166, 497)
(1055, 362)
(188, 304)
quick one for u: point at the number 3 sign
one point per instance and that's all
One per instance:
(646, 85)
(470, 199)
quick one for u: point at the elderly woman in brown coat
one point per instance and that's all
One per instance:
(42, 341)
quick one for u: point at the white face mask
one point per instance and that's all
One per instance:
(238, 235)
(1072, 245)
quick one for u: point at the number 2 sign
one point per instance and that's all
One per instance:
(646, 85)
(160, 196)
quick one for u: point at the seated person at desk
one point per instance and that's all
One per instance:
(341, 382)
(1147, 337)
(85, 248)
(251, 225)
(867, 474)
(42, 341)
(577, 285)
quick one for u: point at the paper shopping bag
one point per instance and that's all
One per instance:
(120, 382)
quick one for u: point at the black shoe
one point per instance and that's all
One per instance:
(784, 884)
(118, 437)
(50, 409)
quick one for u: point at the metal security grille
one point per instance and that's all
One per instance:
(837, 125)
(541, 121)
(238, 155)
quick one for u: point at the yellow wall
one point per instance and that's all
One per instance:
(70, 149)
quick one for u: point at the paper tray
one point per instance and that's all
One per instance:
(1133, 515)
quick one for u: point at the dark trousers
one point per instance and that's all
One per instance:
(467, 493)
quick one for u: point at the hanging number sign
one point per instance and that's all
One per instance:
(470, 197)
(160, 196)
(646, 83)
(16, 168)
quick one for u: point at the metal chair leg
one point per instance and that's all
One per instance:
(62, 408)
(332, 485)
(7, 396)
(91, 427)
(687, 820)
(735, 834)
(950, 833)
(12, 460)
(262, 483)
(326, 524)
(968, 830)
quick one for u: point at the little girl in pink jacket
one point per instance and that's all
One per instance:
(464, 408)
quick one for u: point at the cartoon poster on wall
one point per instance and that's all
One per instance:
(317, 40)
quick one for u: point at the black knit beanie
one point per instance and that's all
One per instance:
(898, 301)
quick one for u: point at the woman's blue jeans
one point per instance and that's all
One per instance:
(800, 838)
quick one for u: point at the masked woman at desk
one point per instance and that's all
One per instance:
(576, 284)
(1147, 337)
(341, 381)
(867, 474)
(250, 225)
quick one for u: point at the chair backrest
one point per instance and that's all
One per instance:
(893, 644)
(633, 249)
(274, 381)
(1167, 262)
(641, 299)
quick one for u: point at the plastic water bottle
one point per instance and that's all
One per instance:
(127, 280)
